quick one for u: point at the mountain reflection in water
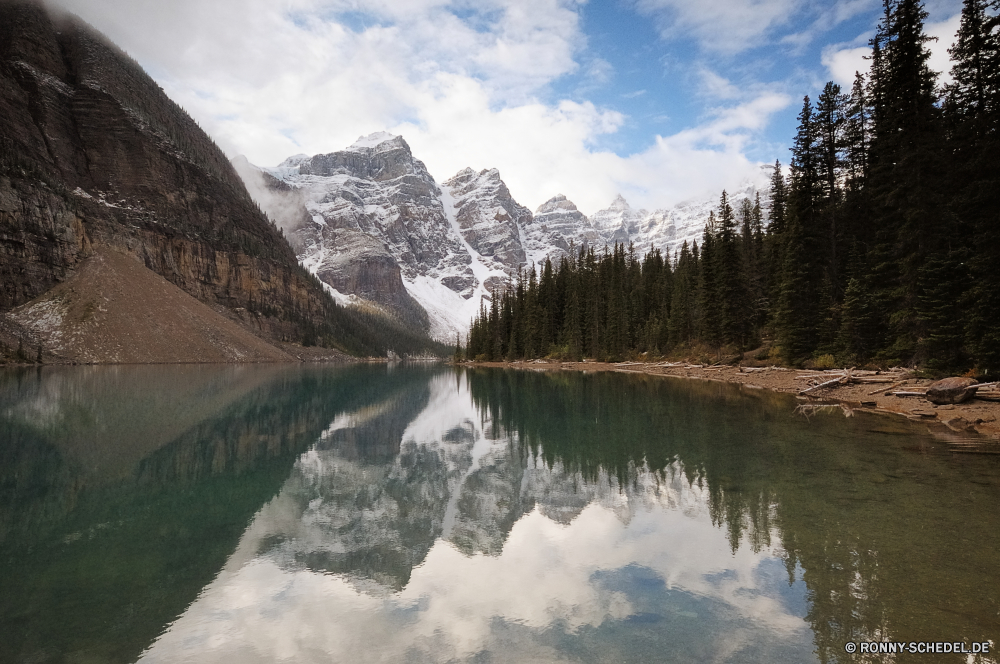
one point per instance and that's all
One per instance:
(426, 515)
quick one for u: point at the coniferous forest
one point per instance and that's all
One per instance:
(881, 244)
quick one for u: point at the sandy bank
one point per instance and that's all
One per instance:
(974, 416)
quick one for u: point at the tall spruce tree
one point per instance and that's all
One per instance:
(972, 108)
(731, 297)
(906, 176)
(857, 135)
(710, 323)
(776, 236)
(830, 120)
(681, 324)
(799, 315)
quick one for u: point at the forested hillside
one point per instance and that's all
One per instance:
(882, 245)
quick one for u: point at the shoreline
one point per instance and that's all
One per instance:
(975, 416)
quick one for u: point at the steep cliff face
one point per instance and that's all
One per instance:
(93, 153)
(377, 187)
(115, 310)
(355, 264)
(352, 214)
(363, 267)
(488, 217)
(619, 222)
(557, 227)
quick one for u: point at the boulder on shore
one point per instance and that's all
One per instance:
(951, 390)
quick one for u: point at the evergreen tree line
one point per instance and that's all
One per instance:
(882, 242)
(614, 304)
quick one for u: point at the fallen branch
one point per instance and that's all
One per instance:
(839, 379)
(886, 389)
(909, 394)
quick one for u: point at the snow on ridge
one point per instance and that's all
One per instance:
(371, 140)
(294, 161)
(457, 241)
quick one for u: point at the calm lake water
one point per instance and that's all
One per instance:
(427, 514)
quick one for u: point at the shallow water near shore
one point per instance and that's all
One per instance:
(271, 513)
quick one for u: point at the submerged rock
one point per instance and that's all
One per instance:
(951, 390)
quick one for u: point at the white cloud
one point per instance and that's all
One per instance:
(945, 31)
(728, 26)
(842, 63)
(828, 17)
(842, 60)
(715, 86)
(465, 84)
(541, 151)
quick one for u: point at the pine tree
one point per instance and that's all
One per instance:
(829, 128)
(710, 323)
(972, 109)
(831, 111)
(754, 277)
(681, 324)
(798, 315)
(775, 238)
(906, 175)
(857, 135)
(731, 292)
(572, 333)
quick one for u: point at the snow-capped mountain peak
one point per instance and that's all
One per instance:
(557, 203)
(372, 140)
(619, 203)
(372, 223)
(294, 161)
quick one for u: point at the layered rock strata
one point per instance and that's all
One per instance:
(93, 153)
(488, 217)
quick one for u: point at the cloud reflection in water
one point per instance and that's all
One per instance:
(459, 545)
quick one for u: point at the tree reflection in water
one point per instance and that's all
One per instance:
(427, 498)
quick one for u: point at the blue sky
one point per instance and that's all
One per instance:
(660, 100)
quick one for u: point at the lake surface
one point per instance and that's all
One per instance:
(428, 514)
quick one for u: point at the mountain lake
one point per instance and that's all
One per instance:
(415, 513)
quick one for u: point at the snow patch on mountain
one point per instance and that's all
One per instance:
(454, 244)
(371, 140)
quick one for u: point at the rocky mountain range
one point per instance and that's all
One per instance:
(373, 224)
(97, 163)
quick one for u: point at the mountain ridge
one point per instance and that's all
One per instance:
(93, 154)
(465, 237)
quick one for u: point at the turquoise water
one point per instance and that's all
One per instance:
(427, 514)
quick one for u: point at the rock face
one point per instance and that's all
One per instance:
(618, 223)
(377, 189)
(557, 226)
(93, 153)
(951, 390)
(115, 310)
(489, 219)
(363, 266)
